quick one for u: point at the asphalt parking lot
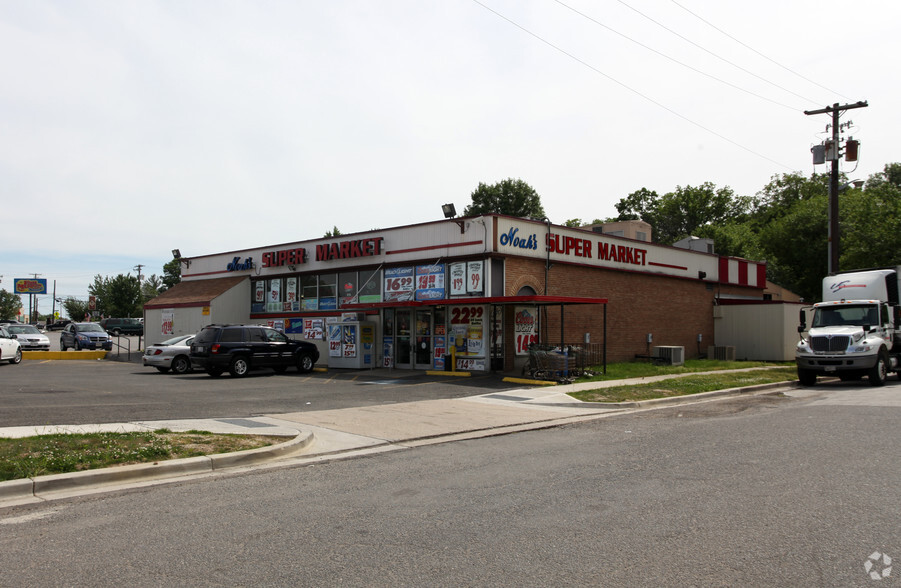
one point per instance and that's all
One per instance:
(48, 392)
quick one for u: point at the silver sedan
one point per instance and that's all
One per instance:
(173, 354)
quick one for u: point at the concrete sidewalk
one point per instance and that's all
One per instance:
(315, 436)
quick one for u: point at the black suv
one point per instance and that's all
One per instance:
(240, 348)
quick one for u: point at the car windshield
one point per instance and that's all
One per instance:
(23, 330)
(90, 327)
(176, 340)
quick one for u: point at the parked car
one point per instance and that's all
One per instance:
(122, 326)
(173, 354)
(29, 337)
(84, 336)
(240, 348)
(58, 325)
(10, 350)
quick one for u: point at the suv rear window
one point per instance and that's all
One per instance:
(206, 336)
(232, 335)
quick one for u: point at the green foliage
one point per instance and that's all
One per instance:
(333, 233)
(510, 197)
(574, 223)
(172, 273)
(75, 309)
(151, 287)
(119, 296)
(10, 304)
(785, 223)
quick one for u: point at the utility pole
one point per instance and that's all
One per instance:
(833, 235)
(31, 317)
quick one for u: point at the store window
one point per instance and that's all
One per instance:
(328, 292)
(370, 287)
(309, 292)
(347, 287)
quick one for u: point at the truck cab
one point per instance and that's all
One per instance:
(852, 338)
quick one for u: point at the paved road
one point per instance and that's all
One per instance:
(796, 490)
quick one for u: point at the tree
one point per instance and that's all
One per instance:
(152, 287)
(574, 223)
(639, 205)
(684, 211)
(333, 233)
(172, 273)
(510, 197)
(75, 309)
(119, 296)
(10, 304)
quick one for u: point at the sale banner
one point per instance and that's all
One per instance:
(458, 279)
(399, 284)
(475, 276)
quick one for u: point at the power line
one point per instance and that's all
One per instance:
(694, 69)
(746, 46)
(629, 88)
(709, 52)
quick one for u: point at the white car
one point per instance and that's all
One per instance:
(173, 354)
(29, 337)
(10, 350)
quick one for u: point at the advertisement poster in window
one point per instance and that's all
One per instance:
(440, 352)
(399, 284)
(291, 290)
(259, 291)
(168, 326)
(475, 277)
(525, 328)
(430, 282)
(457, 279)
(388, 352)
(467, 326)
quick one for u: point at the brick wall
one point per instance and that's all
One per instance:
(673, 310)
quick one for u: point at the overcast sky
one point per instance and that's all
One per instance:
(132, 128)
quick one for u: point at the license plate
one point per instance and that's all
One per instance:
(830, 368)
(199, 349)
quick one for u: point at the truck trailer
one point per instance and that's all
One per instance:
(854, 331)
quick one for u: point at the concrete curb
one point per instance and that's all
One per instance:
(54, 484)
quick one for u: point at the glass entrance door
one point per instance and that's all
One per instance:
(423, 352)
(402, 333)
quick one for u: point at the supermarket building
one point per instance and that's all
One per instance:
(475, 289)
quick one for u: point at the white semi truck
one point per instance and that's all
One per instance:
(855, 330)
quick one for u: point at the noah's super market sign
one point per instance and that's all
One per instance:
(539, 240)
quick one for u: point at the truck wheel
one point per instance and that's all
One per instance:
(878, 372)
(807, 377)
(238, 366)
(304, 363)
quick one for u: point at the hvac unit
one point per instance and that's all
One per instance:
(670, 355)
(721, 352)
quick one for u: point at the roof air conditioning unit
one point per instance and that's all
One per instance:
(721, 352)
(670, 355)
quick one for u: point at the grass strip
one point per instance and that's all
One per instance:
(40, 455)
(686, 385)
(643, 369)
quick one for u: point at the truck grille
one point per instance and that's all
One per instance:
(834, 343)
